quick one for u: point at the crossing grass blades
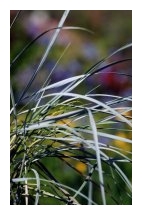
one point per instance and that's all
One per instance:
(57, 151)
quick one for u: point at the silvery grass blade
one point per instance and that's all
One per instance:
(90, 72)
(42, 34)
(38, 186)
(15, 18)
(61, 22)
(93, 101)
(74, 83)
(16, 180)
(46, 82)
(98, 156)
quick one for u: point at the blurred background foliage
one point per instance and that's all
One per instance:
(112, 29)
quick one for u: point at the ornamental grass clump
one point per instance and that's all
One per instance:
(68, 145)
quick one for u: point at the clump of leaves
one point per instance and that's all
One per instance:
(68, 147)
